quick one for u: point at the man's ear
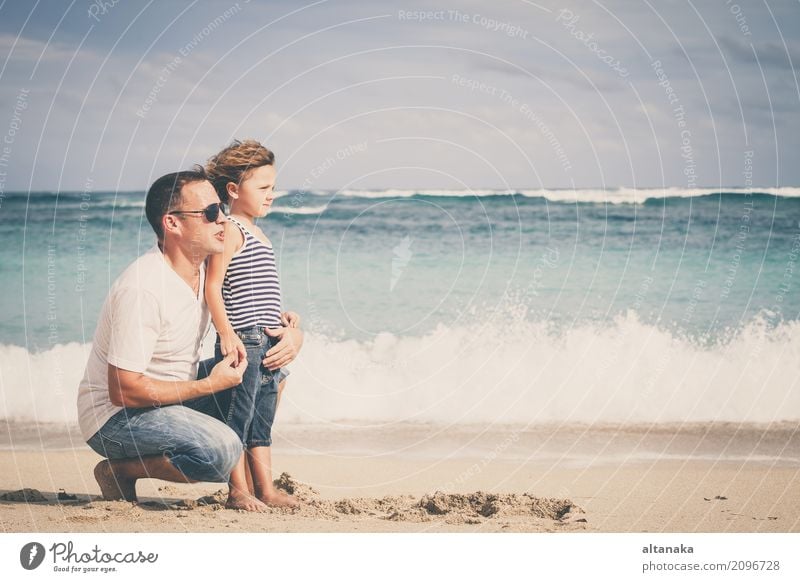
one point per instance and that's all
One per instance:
(169, 223)
(233, 190)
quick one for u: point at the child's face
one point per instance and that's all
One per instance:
(256, 192)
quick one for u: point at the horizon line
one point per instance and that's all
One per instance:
(754, 189)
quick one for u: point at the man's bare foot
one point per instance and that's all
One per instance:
(245, 501)
(277, 498)
(113, 486)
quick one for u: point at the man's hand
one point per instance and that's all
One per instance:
(290, 319)
(226, 374)
(286, 349)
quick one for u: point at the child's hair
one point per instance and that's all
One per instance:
(234, 164)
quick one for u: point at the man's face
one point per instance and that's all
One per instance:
(199, 236)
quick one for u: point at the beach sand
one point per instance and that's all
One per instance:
(416, 492)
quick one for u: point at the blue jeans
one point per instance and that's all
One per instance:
(249, 408)
(199, 446)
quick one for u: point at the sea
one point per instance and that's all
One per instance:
(474, 308)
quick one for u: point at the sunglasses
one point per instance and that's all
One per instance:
(211, 212)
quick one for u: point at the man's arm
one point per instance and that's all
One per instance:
(287, 348)
(135, 390)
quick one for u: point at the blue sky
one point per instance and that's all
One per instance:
(457, 94)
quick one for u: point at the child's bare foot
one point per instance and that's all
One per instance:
(276, 498)
(245, 501)
(113, 486)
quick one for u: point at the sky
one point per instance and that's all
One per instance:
(109, 95)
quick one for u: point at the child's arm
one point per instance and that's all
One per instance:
(217, 266)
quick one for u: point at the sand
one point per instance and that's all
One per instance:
(53, 491)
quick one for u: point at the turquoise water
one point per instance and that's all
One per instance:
(358, 266)
(393, 281)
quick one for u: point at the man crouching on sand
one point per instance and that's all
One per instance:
(141, 404)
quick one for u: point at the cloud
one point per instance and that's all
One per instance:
(585, 79)
(772, 54)
(225, 87)
(26, 50)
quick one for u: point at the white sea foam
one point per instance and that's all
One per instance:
(609, 195)
(397, 193)
(41, 386)
(640, 195)
(304, 210)
(627, 372)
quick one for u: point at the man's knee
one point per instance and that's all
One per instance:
(212, 456)
(223, 451)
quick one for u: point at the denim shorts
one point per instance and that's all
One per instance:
(199, 446)
(249, 408)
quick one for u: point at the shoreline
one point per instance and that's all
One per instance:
(569, 445)
(399, 495)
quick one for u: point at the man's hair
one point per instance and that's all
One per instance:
(235, 163)
(165, 195)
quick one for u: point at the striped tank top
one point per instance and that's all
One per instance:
(251, 290)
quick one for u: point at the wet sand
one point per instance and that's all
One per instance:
(690, 479)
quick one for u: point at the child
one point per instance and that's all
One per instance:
(244, 298)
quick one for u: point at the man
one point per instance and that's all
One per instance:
(140, 403)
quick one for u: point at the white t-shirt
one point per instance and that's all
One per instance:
(151, 322)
